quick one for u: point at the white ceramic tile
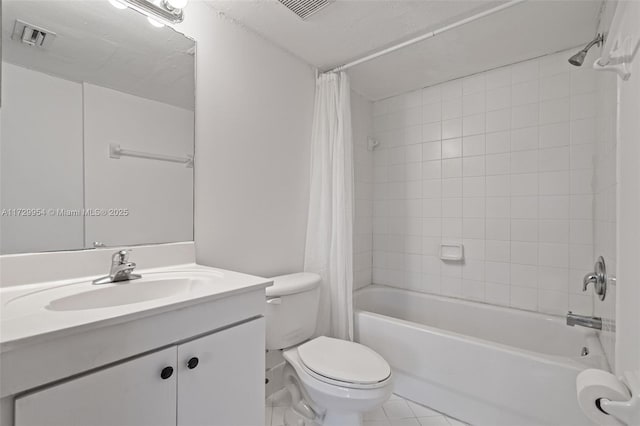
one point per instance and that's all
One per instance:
(555, 111)
(473, 83)
(523, 184)
(473, 186)
(431, 132)
(473, 103)
(434, 421)
(473, 166)
(422, 411)
(524, 253)
(524, 298)
(554, 135)
(451, 148)
(498, 229)
(451, 89)
(583, 106)
(498, 98)
(554, 207)
(431, 95)
(497, 164)
(473, 145)
(524, 230)
(451, 108)
(496, 293)
(524, 93)
(524, 116)
(431, 151)
(497, 186)
(451, 167)
(473, 124)
(452, 128)
(452, 207)
(499, 77)
(553, 159)
(551, 254)
(497, 251)
(524, 139)
(497, 272)
(553, 278)
(524, 275)
(397, 409)
(555, 86)
(553, 231)
(524, 162)
(452, 187)
(431, 113)
(498, 120)
(498, 142)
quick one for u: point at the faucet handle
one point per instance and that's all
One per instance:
(120, 257)
(590, 278)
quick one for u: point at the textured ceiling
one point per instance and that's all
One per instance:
(349, 29)
(105, 46)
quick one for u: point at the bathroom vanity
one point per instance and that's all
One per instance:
(183, 345)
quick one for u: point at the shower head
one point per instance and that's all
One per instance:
(578, 58)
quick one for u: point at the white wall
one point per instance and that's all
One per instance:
(362, 123)
(157, 194)
(254, 105)
(501, 161)
(41, 160)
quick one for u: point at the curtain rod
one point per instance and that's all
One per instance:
(428, 35)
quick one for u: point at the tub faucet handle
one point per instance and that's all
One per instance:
(598, 278)
(590, 278)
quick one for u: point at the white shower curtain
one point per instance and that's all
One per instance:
(330, 220)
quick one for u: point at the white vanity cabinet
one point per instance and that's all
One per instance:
(216, 379)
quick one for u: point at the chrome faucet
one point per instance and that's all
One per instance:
(598, 278)
(584, 321)
(121, 269)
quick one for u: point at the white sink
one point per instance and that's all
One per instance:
(84, 295)
(125, 293)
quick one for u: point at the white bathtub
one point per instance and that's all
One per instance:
(482, 364)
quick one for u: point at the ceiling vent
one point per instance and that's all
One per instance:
(305, 8)
(32, 35)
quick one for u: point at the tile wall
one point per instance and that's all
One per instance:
(501, 161)
(361, 122)
(605, 187)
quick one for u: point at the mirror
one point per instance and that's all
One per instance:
(97, 130)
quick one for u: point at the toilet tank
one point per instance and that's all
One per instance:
(292, 309)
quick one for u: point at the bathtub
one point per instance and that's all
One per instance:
(483, 364)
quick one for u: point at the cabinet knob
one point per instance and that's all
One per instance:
(166, 373)
(192, 363)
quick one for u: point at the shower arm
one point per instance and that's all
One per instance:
(597, 40)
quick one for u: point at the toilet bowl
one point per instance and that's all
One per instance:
(332, 382)
(337, 380)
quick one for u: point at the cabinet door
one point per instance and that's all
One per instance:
(131, 393)
(226, 387)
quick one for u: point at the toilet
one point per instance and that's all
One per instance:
(332, 382)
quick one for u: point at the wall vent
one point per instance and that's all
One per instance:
(32, 35)
(305, 8)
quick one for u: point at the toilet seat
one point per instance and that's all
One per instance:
(343, 363)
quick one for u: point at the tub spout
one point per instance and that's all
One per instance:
(584, 321)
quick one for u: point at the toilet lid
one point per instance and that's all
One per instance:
(344, 361)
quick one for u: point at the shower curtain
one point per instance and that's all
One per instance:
(329, 241)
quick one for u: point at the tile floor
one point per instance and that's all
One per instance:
(397, 411)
